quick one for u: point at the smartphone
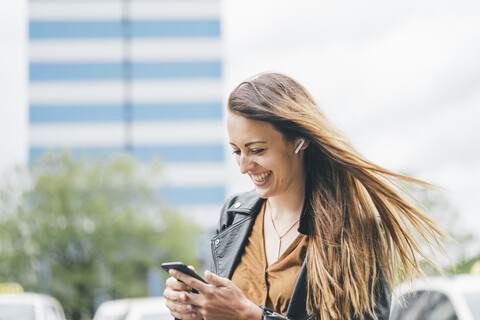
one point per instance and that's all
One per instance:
(180, 266)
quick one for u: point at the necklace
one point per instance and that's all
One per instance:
(278, 235)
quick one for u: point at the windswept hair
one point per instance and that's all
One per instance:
(363, 225)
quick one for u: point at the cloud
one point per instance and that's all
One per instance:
(402, 80)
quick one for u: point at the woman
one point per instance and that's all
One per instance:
(325, 233)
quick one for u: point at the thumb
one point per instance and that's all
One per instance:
(216, 280)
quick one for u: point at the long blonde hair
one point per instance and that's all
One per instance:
(362, 227)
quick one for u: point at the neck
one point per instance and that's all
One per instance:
(288, 206)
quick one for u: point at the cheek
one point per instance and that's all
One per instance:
(285, 170)
(237, 159)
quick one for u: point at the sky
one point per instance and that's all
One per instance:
(400, 79)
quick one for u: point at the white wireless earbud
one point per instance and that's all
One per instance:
(302, 141)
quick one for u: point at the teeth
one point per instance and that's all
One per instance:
(261, 177)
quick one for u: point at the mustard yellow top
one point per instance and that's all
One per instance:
(270, 287)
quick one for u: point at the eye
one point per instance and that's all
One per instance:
(236, 152)
(257, 151)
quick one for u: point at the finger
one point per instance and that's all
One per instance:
(188, 280)
(216, 280)
(174, 284)
(177, 315)
(174, 295)
(192, 268)
(181, 310)
(179, 307)
(192, 298)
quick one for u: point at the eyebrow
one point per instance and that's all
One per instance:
(249, 143)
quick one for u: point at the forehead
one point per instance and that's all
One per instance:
(243, 130)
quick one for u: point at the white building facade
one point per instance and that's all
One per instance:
(143, 76)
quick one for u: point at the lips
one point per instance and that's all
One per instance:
(260, 177)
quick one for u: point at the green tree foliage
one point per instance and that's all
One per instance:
(80, 230)
(465, 266)
(446, 215)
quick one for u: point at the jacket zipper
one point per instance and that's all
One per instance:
(212, 249)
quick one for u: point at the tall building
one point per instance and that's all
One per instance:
(142, 76)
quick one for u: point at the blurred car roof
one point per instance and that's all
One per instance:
(38, 301)
(148, 308)
(457, 288)
(133, 309)
(460, 283)
(112, 308)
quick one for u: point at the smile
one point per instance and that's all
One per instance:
(260, 177)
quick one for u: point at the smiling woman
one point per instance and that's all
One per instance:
(356, 228)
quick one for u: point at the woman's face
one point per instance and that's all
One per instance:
(262, 152)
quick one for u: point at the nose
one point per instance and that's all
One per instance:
(244, 163)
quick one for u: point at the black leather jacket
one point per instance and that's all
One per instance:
(236, 221)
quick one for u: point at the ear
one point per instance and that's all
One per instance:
(302, 145)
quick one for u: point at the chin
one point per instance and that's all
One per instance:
(262, 193)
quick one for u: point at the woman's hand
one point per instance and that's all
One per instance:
(218, 300)
(174, 295)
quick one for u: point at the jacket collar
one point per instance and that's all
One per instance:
(246, 203)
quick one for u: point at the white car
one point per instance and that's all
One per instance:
(29, 306)
(438, 298)
(133, 309)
